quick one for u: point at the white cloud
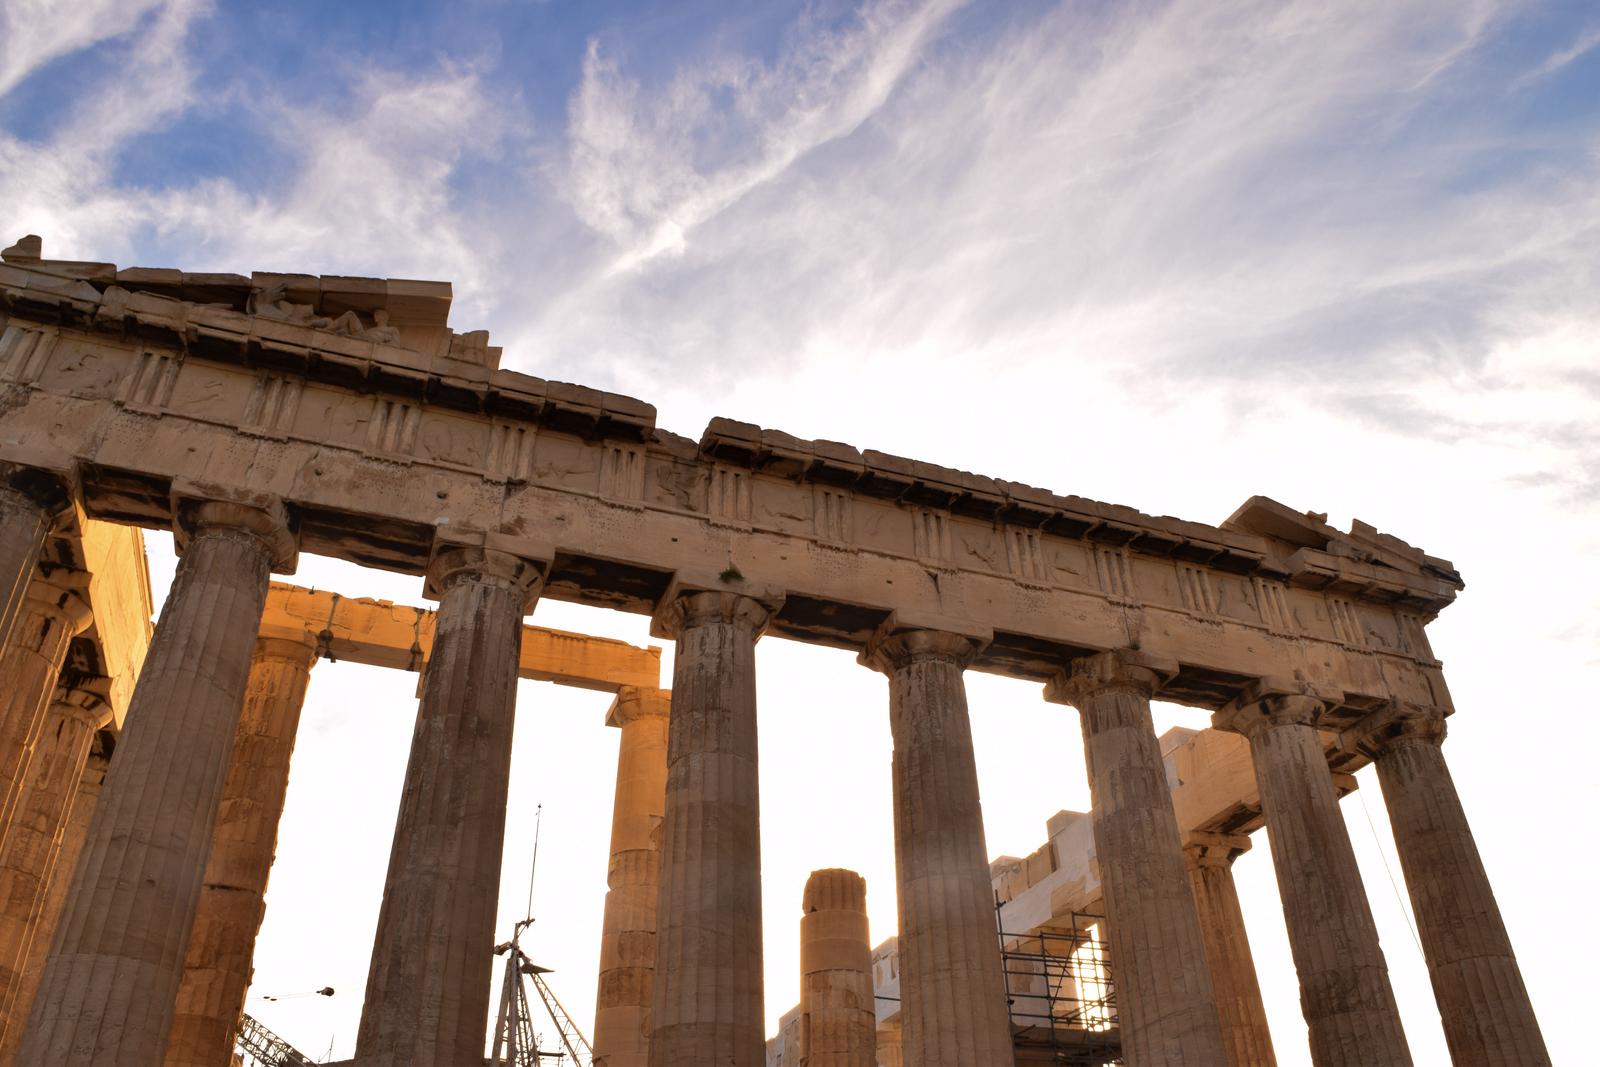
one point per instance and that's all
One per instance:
(648, 167)
(1582, 45)
(34, 32)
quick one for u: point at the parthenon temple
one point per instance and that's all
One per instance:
(143, 767)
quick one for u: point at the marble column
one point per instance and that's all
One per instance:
(1245, 1037)
(706, 1006)
(953, 1006)
(891, 1052)
(838, 1023)
(628, 939)
(1344, 982)
(217, 964)
(30, 850)
(427, 998)
(1488, 1018)
(1166, 1006)
(107, 994)
(64, 860)
(30, 502)
(53, 613)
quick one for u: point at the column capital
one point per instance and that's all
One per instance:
(51, 491)
(1204, 849)
(452, 563)
(300, 650)
(694, 607)
(260, 516)
(891, 652)
(63, 592)
(87, 699)
(1276, 701)
(1123, 668)
(634, 702)
(834, 889)
(1396, 722)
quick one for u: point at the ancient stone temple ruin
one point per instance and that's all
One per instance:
(142, 770)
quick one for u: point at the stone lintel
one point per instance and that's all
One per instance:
(380, 633)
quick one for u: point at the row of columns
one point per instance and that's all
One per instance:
(111, 989)
(1187, 993)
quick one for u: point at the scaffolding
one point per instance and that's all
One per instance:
(1062, 1000)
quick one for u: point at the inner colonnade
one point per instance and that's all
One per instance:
(261, 417)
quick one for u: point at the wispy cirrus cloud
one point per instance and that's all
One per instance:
(367, 182)
(34, 32)
(648, 167)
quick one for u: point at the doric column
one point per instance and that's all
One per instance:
(30, 502)
(428, 986)
(890, 1050)
(107, 994)
(838, 1024)
(953, 1007)
(68, 847)
(707, 1002)
(53, 613)
(628, 941)
(216, 967)
(1488, 1018)
(30, 850)
(1245, 1036)
(1166, 1007)
(1344, 982)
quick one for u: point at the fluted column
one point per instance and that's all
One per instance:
(1488, 1018)
(30, 502)
(1245, 1036)
(53, 613)
(838, 1026)
(628, 940)
(707, 1001)
(107, 994)
(68, 847)
(428, 986)
(1166, 1006)
(890, 1050)
(64, 859)
(953, 1007)
(1344, 981)
(30, 850)
(217, 965)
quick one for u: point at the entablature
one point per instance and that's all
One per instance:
(375, 450)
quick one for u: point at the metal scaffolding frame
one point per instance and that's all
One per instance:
(1062, 999)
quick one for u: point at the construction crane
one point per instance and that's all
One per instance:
(515, 1042)
(260, 1047)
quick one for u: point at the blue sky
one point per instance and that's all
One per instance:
(1168, 255)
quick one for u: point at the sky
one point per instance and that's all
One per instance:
(1343, 254)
